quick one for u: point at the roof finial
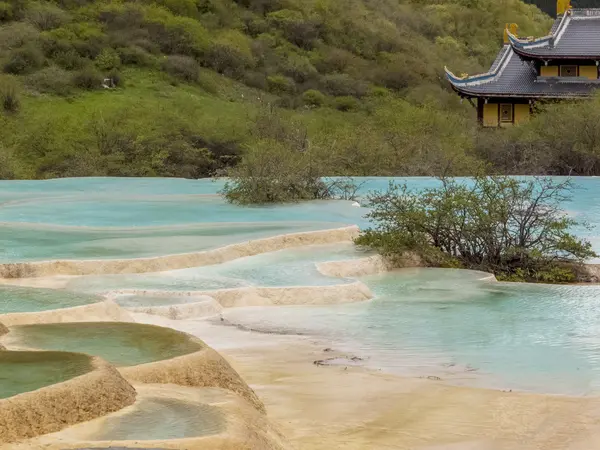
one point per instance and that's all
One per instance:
(562, 6)
(510, 28)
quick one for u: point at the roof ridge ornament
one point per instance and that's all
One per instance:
(562, 7)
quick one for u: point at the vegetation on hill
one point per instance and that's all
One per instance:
(513, 228)
(182, 87)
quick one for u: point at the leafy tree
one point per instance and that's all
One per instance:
(513, 228)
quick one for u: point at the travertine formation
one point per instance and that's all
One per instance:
(106, 311)
(267, 296)
(204, 368)
(97, 393)
(173, 262)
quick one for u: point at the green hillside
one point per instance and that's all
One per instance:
(357, 84)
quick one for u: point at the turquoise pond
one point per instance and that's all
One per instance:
(21, 299)
(293, 267)
(445, 323)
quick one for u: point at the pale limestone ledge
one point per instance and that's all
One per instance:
(201, 368)
(245, 427)
(181, 261)
(105, 311)
(264, 296)
(94, 394)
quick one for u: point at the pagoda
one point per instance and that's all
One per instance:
(561, 65)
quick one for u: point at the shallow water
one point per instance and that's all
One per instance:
(162, 418)
(425, 322)
(449, 323)
(20, 299)
(121, 344)
(292, 267)
(27, 371)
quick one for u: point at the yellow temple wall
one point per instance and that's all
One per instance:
(549, 71)
(521, 113)
(490, 115)
(590, 72)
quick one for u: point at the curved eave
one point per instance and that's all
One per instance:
(458, 81)
(522, 44)
(524, 53)
(465, 92)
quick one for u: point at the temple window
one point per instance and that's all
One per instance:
(506, 112)
(568, 71)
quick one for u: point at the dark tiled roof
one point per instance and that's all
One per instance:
(577, 36)
(514, 77)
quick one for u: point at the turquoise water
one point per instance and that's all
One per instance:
(121, 344)
(426, 322)
(162, 418)
(117, 218)
(27, 371)
(449, 323)
(19, 299)
(293, 267)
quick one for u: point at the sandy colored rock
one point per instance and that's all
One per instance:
(205, 368)
(207, 306)
(352, 408)
(52, 408)
(106, 311)
(354, 268)
(173, 262)
(268, 296)
(245, 427)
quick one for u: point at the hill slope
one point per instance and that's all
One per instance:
(359, 82)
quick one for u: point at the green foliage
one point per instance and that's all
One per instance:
(88, 78)
(346, 103)
(108, 60)
(361, 81)
(280, 84)
(182, 67)
(513, 228)
(230, 54)
(51, 80)
(314, 98)
(24, 60)
(562, 138)
(46, 16)
(270, 173)
(9, 96)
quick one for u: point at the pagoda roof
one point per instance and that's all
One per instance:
(574, 35)
(512, 76)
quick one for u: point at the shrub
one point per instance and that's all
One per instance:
(108, 59)
(314, 98)
(9, 96)
(115, 77)
(230, 54)
(46, 16)
(182, 67)
(69, 59)
(16, 35)
(6, 11)
(342, 85)
(88, 78)
(271, 173)
(346, 103)
(296, 28)
(24, 60)
(256, 80)
(278, 84)
(180, 35)
(513, 228)
(135, 56)
(299, 68)
(51, 80)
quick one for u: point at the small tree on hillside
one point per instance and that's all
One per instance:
(513, 228)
